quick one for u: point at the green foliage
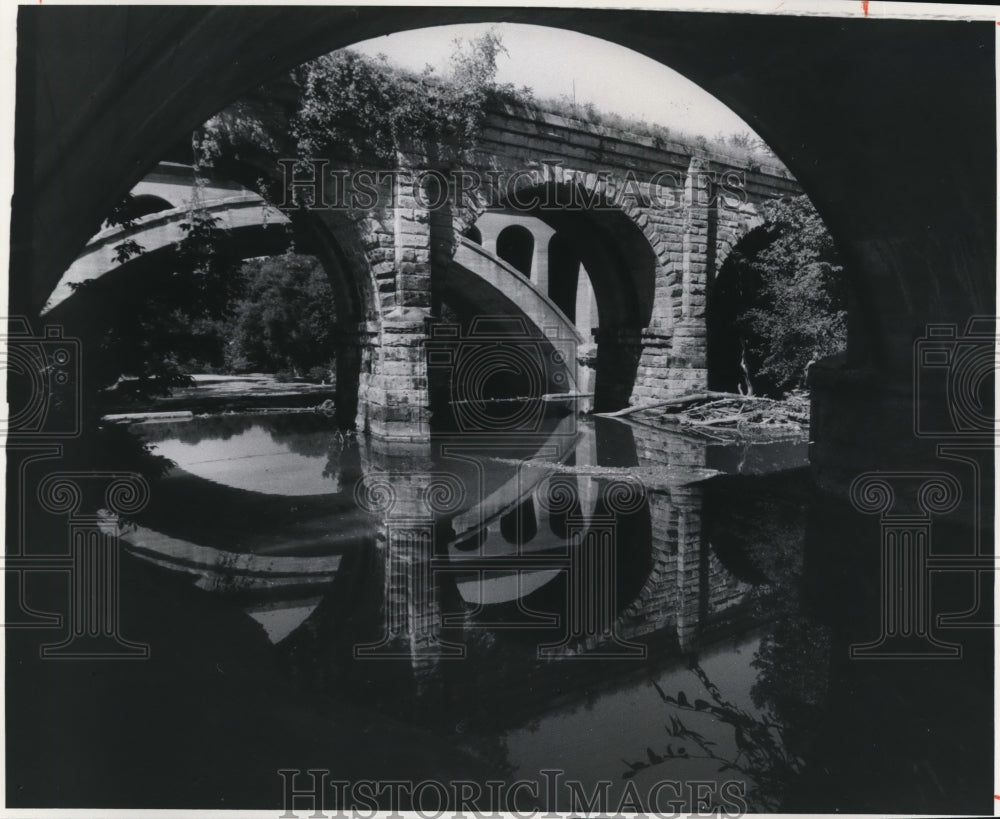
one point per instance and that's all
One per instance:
(121, 216)
(284, 319)
(761, 754)
(798, 312)
(199, 308)
(474, 62)
(153, 329)
(356, 109)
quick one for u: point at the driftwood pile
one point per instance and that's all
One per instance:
(728, 415)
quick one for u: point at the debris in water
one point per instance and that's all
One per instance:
(728, 416)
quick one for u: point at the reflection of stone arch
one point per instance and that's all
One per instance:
(520, 525)
(562, 503)
(671, 592)
(687, 584)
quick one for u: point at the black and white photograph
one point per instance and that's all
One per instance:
(488, 411)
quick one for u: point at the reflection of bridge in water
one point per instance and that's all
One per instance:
(624, 546)
(582, 539)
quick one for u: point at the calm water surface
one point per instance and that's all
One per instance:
(555, 600)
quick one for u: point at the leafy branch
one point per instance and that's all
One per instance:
(122, 215)
(795, 296)
(352, 108)
(761, 755)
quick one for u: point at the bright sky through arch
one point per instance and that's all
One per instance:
(548, 60)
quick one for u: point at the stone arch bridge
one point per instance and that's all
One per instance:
(600, 242)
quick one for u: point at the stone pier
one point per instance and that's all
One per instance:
(393, 399)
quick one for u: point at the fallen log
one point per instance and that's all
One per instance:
(681, 401)
(713, 422)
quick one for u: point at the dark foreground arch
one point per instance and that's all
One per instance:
(915, 220)
(889, 126)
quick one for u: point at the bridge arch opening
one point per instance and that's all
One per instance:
(105, 161)
(728, 296)
(621, 265)
(246, 229)
(776, 302)
(516, 246)
(564, 275)
(144, 204)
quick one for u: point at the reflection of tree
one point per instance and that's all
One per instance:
(112, 448)
(757, 527)
(761, 755)
(208, 427)
(793, 663)
(214, 428)
(312, 435)
(303, 433)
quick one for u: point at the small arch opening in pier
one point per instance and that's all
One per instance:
(516, 246)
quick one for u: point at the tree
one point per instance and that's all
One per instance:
(795, 299)
(156, 327)
(285, 319)
(356, 109)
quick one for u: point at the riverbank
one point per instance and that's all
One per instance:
(227, 393)
(719, 416)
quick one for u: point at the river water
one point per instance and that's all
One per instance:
(553, 600)
(587, 608)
